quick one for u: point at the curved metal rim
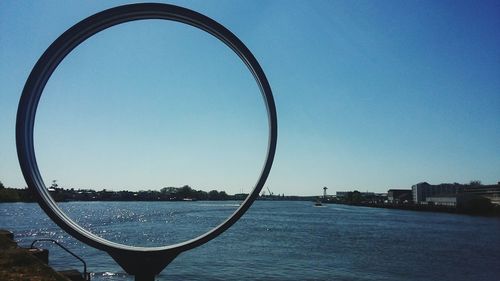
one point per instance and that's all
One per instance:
(70, 39)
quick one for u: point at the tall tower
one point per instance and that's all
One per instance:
(324, 192)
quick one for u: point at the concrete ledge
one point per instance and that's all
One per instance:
(17, 264)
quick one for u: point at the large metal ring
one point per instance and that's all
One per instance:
(61, 47)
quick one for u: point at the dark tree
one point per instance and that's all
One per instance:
(213, 195)
(475, 183)
(223, 195)
(185, 192)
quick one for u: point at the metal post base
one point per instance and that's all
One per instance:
(144, 278)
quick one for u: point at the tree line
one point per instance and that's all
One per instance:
(184, 193)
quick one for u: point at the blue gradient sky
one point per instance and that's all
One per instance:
(370, 95)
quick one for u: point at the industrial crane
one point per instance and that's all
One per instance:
(270, 193)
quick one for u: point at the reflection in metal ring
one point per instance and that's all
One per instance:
(143, 262)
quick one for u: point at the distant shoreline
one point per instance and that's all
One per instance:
(167, 194)
(187, 194)
(493, 211)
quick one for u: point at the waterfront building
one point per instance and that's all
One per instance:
(423, 190)
(443, 200)
(397, 196)
(419, 191)
(342, 194)
(492, 192)
(452, 194)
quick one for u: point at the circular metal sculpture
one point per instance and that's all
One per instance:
(143, 262)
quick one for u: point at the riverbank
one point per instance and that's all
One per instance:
(493, 211)
(18, 264)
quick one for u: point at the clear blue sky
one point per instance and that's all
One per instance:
(370, 95)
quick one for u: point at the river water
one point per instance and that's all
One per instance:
(275, 240)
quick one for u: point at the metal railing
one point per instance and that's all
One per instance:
(86, 276)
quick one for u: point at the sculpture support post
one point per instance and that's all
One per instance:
(144, 278)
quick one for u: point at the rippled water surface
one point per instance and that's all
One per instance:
(276, 240)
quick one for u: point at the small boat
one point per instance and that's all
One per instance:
(318, 203)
